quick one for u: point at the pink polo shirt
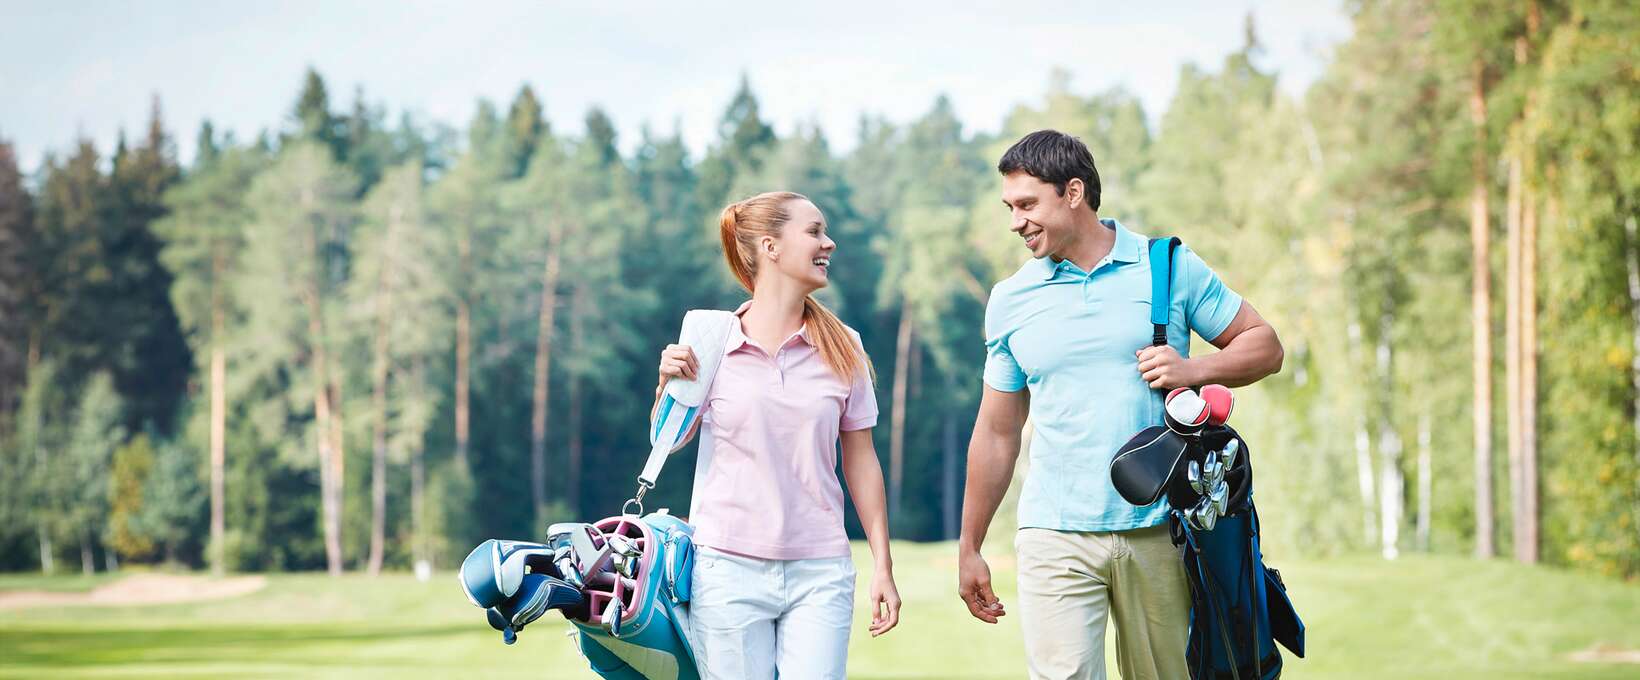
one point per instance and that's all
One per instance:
(766, 480)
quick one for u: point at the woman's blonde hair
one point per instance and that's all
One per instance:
(741, 225)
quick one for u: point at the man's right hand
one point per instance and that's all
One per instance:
(974, 587)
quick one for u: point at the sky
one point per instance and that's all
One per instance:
(92, 68)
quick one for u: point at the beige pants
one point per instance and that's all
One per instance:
(1070, 583)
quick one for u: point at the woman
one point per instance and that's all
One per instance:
(773, 584)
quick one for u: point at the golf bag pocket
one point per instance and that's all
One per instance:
(1285, 625)
(1144, 465)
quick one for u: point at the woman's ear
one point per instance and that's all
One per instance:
(769, 247)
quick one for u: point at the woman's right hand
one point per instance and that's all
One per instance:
(678, 361)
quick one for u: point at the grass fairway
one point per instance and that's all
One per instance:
(1419, 617)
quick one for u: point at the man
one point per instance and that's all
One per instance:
(1068, 342)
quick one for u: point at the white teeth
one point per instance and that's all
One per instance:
(822, 261)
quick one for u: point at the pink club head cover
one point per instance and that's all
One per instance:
(1184, 411)
(1220, 402)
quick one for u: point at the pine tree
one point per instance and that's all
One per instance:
(205, 238)
(17, 239)
(525, 127)
(295, 267)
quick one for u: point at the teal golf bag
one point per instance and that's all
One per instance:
(637, 627)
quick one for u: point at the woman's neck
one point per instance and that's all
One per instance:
(776, 312)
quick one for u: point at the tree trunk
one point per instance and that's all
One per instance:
(1363, 453)
(1512, 355)
(577, 333)
(896, 442)
(1526, 542)
(338, 461)
(1426, 482)
(418, 523)
(543, 370)
(383, 309)
(464, 352)
(1632, 230)
(1480, 234)
(378, 445)
(218, 415)
(111, 561)
(219, 522)
(951, 487)
(329, 479)
(48, 560)
(329, 509)
(1391, 490)
(87, 563)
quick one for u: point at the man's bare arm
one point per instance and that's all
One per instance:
(1248, 352)
(992, 453)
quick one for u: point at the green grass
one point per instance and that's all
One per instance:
(1419, 617)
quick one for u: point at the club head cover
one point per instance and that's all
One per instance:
(537, 594)
(1220, 401)
(1184, 411)
(493, 571)
(1143, 467)
(484, 579)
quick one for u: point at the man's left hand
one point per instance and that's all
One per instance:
(1164, 369)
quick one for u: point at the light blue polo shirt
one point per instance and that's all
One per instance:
(1070, 337)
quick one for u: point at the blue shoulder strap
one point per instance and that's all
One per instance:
(1161, 286)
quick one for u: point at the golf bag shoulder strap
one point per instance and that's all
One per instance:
(1161, 286)
(706, 331)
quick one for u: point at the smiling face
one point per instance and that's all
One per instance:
(1040, 216)
(802, 251)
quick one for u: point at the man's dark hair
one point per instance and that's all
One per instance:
(1056, 158)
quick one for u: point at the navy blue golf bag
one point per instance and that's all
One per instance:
(1239, 609)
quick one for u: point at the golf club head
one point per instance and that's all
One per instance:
(1221, 499)
(558, 533)
(1193, 473)
(1209, 520)
(1204, 517)
(1227, 455)
(591, 549)
(1212, 472)
(612, 614)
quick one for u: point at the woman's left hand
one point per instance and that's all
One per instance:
(885, 602)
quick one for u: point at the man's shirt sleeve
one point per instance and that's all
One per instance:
(1002, 371)
(1211, 305)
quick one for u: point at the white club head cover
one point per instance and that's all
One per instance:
(705, 331)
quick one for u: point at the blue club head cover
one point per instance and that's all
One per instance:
(483, 580)
(493, 571)
(536, 594)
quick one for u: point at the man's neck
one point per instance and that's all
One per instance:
(1092, 243)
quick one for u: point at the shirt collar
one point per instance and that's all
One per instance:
(1128, 248)
(737, 335)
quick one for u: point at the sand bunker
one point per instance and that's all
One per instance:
(140, 589)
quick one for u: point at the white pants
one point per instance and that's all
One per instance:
(755, 618)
